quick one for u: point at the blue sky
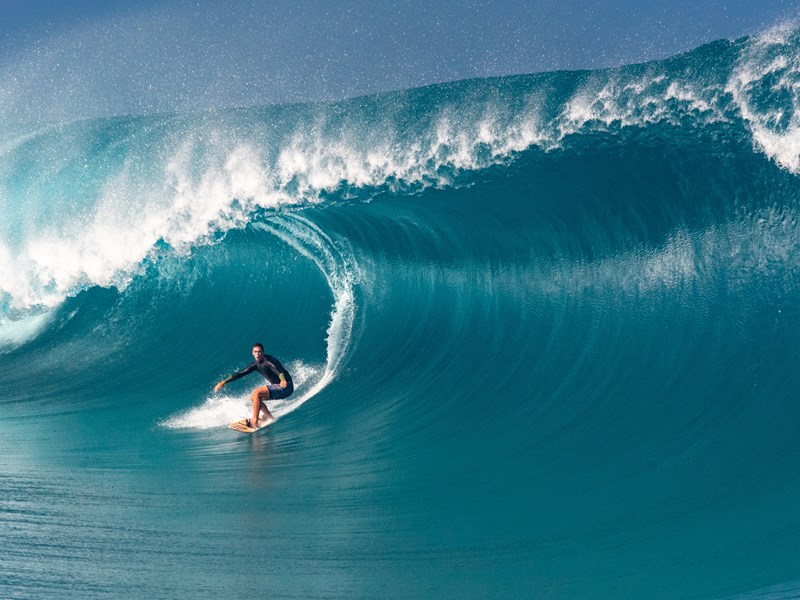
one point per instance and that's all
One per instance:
(108, 57)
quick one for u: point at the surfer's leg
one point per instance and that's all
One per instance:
(267, 415)
(258, 396)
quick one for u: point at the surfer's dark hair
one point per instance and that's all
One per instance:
(259, 345)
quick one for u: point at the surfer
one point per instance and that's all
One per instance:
(280, 384)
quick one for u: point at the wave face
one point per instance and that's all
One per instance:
(543, 330)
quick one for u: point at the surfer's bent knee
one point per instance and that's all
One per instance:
(261, 393)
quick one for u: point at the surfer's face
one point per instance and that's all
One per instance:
(258, 353)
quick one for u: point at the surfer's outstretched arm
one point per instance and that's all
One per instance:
(247, 370)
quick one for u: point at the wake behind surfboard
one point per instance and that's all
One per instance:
(242, 426)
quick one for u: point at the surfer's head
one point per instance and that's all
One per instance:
(258, 350)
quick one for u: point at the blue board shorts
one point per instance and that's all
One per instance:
(276, 392)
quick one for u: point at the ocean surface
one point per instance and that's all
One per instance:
(544, 331)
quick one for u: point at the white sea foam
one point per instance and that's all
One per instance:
(180, 194)
(132, 215)
(615, 98)
(684, 91)
(14, 332)
(770, 66)
(215, 411)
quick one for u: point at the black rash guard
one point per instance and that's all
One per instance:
(270, 368)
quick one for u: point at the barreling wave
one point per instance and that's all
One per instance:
(97, 203)
(575, 291)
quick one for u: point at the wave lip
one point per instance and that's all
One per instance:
(99, 200)
(765, 85)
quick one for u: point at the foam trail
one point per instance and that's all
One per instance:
(221, 409)
(341, 271)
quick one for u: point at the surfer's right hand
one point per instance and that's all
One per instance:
(218, 387)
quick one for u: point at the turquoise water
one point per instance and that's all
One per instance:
(543, 331)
